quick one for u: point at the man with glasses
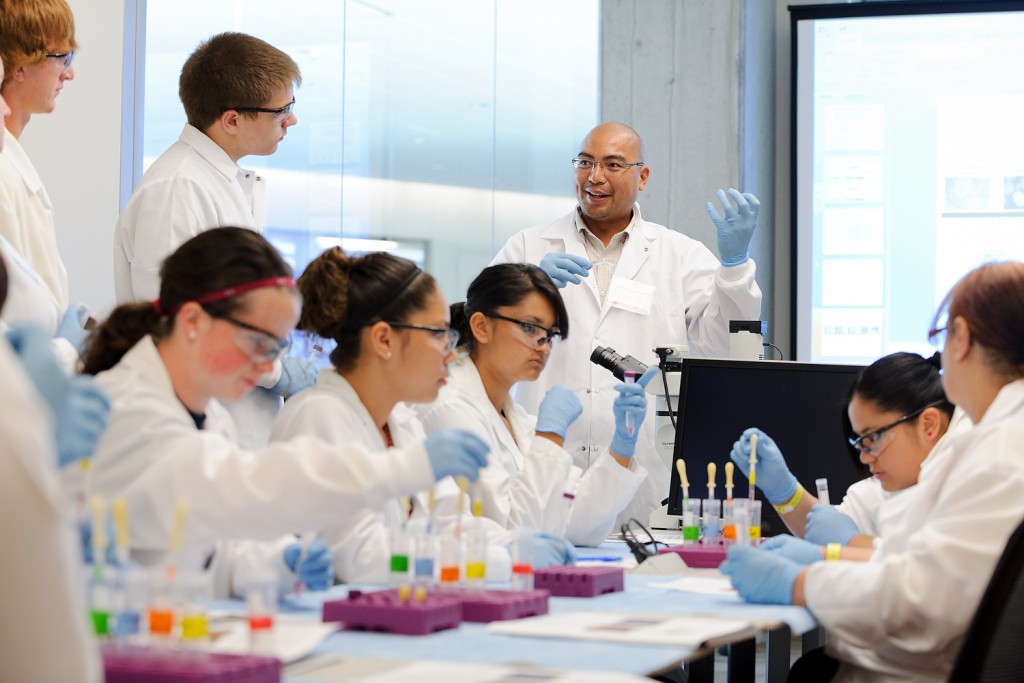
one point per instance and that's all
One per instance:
(238, 95)
(635, 285)
(37, 47)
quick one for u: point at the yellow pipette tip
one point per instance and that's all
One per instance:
(420, 594)
(478, 508)
(404, 591)
(83, 464)
(178, 531)
(681, 468)
(121, 522)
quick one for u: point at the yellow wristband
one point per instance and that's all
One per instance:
(791, 504)
(832, 551)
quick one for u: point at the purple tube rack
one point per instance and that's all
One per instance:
(699, 556)
(483, 607)
(384, 611)
(579, 582)
(145, 665)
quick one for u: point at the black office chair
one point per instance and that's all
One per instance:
(992, 650)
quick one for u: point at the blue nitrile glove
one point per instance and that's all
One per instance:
(82, 420)
(796, 549)
(773, 476)
(80, 407)
(297, 373)
(85, 535)
(761, 577)
(563, 268)
(551, 551)
(735, 230)
(456, 453)
(825, 524)
(70, 327)
(317, 568)
(632, 400)
(558, 410)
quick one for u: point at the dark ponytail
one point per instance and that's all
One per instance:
(209, 262)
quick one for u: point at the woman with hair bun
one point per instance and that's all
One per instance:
(512, 316)
(226, 307)
(389, 321)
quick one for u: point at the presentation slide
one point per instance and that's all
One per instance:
(910, 172)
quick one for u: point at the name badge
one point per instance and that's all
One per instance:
(630, 295)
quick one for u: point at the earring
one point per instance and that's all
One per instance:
(388, 355)
(192, 335)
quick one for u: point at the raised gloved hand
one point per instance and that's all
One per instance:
(564, 268)
(82, 420)
(456, 453)
(316, 570)
(735, 230)
(551, 551)
(297, 373)
(631, 401)
(826, 524)
(558, 410)
(70, 327)
(761, 577)
(80, 407)
(796, 549)
(773, 476)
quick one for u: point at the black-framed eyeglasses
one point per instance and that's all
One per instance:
(873, 442)
(643, 545)
(259, 344)
(449, 336)
(537, 335)
(583, 164)
(280, 114)
(68, 57)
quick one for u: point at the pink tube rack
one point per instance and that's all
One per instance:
(483, 607)
(698, 555)
(579, 582)
(385, 611)
(144, 665)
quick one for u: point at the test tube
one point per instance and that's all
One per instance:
(400, 543)
(305, 539)
(822, 485)
(129, 603)
(755, 522)
(712, 521)
(195, 594)
(314, 355)
(691, 520)
(729, 521)
(476, 547)
(522, 562)
(161, 608)
(630, 378)
(451, 561)
(425, 559)
(741, 520)
(260, 590)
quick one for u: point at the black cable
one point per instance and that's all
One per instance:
(782, 356)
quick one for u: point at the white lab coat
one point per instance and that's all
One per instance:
(530, 482)
(43, 635)
(862, 503)
(26, 218)
(153, 455)
(30, 301)
(194, 186)
(333, 412)
(691, 301)
(902, 615)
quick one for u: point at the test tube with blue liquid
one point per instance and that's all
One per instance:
(712, 519)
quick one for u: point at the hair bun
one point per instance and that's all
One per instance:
(936, 360)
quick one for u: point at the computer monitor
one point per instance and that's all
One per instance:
(800, 405)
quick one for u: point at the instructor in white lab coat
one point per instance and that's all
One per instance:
(237, 92)
(635, 285)
(227, 305)
(903, 614)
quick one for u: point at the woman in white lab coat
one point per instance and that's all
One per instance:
(903, 614)
(512, 317)
(389, 322)
(898, 404)
(227, 305)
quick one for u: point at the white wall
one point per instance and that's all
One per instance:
(77, 151)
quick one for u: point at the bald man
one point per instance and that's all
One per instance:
(632, 285)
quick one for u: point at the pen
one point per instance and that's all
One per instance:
(600, 558)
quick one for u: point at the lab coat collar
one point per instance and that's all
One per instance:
(336, 384)
(466, 377)
(15, 153)
(211, 152)
(1007, 402)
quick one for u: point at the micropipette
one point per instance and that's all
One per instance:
(753, 467)
(305, 539)
(712, 470)
(729, 468)
(822, 485)
(630, 378)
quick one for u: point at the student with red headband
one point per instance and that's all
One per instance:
(226, 307)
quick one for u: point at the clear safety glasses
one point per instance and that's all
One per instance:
(532, 334)
(614, 167)
(279, 113)
(67, 58)
(448, 336)
(875, 441)
(261, 346)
